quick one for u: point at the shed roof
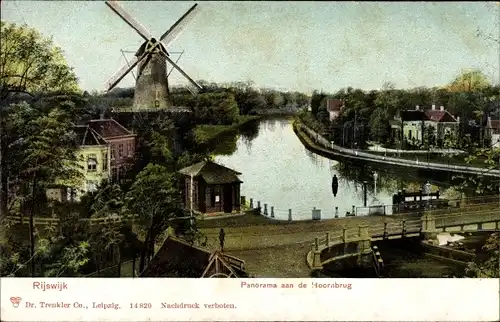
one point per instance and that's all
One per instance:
(211, 172)
(177, 258)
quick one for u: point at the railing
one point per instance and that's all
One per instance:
(330, 147)
(407, 228)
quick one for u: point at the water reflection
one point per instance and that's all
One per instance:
(279, 171)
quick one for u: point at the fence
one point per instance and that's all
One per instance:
(458, 206)
(416, 163)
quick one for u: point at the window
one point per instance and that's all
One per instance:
(113, 152)
(217, 199)
(105, 161)
(91, 163)
(120, 150)
(130, 149)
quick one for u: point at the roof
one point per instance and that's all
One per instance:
(177, 258)
(440, 116)
(108, 128)
(334, 105)
(84, 135)
(413, 115)
(211, 172)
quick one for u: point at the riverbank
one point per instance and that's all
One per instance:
(319, 145)
(205, 133)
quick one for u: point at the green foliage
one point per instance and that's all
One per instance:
(31, 63)
(490, 266)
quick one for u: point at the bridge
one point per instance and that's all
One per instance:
(357, 242)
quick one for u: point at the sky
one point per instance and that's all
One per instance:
(285, 45)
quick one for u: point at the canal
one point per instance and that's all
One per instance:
(279, 171)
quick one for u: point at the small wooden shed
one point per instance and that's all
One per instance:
(215, 188)
(177, 258)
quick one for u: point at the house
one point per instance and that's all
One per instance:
(412, 124)
(177, 258)
(493, 132)
(215, 188)
(409, 125)
(105, 150)
(93, 163)
(121, 142)
(334, 108)
(442, 122)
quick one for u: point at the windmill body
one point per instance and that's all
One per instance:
(151, 90)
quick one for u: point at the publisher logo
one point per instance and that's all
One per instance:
(15, 301)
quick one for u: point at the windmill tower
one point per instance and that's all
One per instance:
(152, 90)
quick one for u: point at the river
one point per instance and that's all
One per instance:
(279, 171)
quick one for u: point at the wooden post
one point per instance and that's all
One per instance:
(265, 209)
(385, 231)
(243, 200)
(272, 211)
(336, 212)
(258, 205)
(251, 203)
(354, 210)
(289, 214)
(327, 239)
(316, 243)
(403, 232)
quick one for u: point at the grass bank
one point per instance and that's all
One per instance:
(205, 133)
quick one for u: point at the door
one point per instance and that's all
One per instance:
(228, 198)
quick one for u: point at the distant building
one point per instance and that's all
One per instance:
(493, 132)
(121, 142)
(442, 121)
(215, 188)
(96, 141)
(334, 108)
(411, 124)
(177, 258)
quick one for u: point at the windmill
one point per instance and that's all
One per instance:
(151, 89)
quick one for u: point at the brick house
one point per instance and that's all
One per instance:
(121, 143)
(334, 108)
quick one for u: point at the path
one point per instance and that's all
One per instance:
(327, 149)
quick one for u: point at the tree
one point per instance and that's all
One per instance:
(29, 64)
(490, 266)
(378, 125)
(37, 149)
(109, 203)
(316, 100)
(469, 81)
(32, 64)
(155, 199)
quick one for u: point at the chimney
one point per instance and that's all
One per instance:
(416, 108)
(433, 107)
(441, 108)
